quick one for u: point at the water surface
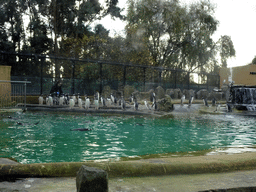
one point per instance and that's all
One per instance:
(47, 137)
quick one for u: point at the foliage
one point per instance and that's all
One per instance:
(174, 35)
(254, 61)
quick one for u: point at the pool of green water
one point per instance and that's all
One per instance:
(47, 137)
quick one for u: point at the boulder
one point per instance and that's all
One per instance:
(165, 104)
(106, 91)
(128, 90)
(177, 94)
(160, 93)
(170, 92)
(90, 179)
(188, 93)
(203, 93)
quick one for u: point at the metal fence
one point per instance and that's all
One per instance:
(13, 94)
(86, 76)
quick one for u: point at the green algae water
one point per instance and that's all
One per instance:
(47, 137)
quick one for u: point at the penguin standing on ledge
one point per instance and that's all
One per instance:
(122, 103)
(154, 105)
(190, 101)
(182, 100)
(136, 105)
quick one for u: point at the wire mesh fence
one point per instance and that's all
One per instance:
(13, 93)
(87, 76)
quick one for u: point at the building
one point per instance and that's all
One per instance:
(243, 75)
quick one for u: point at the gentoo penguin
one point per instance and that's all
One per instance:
(190, 101)
(87, 103)
(147, 105)
(80, 102)
(182, 100)
(136, 105)
(61, 100)
(154, 105)
(71, 103)
(123, 103)
(205, 102)
(41, 100)
(96, 100)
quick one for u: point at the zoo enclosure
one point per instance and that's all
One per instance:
(13, 93)
(86, 76)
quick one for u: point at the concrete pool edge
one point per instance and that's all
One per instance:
(137, 168)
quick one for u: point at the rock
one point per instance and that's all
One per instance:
(128, 90)
(177, 94)
(160, 93)
(90, 179)
(188, 93)
(165, 104)
(203, 93)
(106, 91)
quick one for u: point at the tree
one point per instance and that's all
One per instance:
(254, 61)
(226, 49)
(176, 36)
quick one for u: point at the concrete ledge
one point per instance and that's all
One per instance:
(148, 167)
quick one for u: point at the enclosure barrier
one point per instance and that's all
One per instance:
(13, 93)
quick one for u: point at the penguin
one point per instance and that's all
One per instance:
(103, 101)
(205, 102)
(96, 100)
(213, 101)
(190, 101)
(154, 105)
(80, 102)
(50, 100)
(41, 100)
(66, 99)
(71, 103)
(123, 103)
(74, 98)
(147, 105)
(87, 103)
(61, 100)
(131, 98)
(136, 105)
(182, 100)
(108, 102)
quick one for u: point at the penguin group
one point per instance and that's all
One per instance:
(98, 101)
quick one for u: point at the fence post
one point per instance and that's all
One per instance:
(160, 77)
(144, 78)
(188, 80)
(41, 73)
(73, 78)
(124, 76)
(101, 80)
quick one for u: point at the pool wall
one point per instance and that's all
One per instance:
(146, 167)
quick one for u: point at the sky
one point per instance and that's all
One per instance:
(236, 19)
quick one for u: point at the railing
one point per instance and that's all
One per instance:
(13, 93)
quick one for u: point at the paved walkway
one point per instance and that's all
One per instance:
(197, 182)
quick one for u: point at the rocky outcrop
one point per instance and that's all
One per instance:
(165, 104)
(90, 179)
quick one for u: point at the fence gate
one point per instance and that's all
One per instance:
(13, 94)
